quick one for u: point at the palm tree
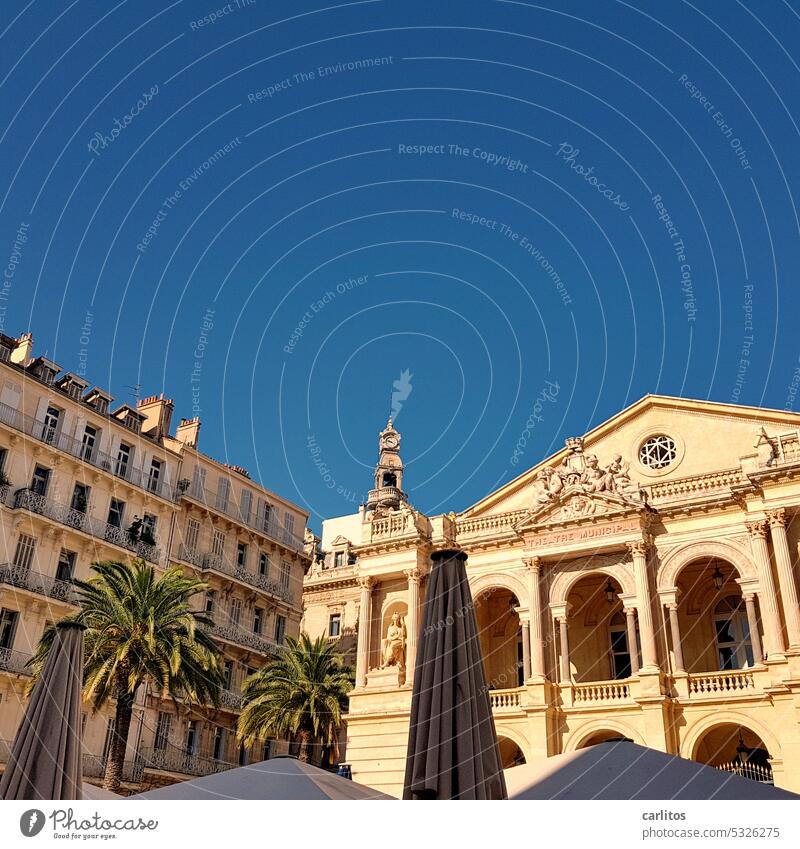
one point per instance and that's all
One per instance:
(140, 628)
(301, 692)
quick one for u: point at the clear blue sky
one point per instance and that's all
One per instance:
(596, 200)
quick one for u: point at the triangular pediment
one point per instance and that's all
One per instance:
(575, 504)
(340, 541)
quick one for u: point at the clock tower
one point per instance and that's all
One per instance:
(388, 492)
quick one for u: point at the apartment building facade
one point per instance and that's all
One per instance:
(83, 480)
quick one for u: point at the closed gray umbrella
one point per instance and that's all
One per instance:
(452, 744)
(45, 760)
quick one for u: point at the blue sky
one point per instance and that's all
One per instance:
(275, 211)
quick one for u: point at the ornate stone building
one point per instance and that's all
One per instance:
(642, 582)
(81, 481)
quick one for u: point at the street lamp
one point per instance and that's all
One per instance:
(718, 578)
(609, 591)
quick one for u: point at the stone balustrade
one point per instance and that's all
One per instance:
(601, 692)
(501, 700)
(712, 684)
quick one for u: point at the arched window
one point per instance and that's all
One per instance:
(620, 651)
(389, 479)
(732, 634)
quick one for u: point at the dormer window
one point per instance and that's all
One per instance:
(102, 406)
(98, 399)
(72, 385)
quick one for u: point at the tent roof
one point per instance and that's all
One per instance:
(277, 778)
(625, 770)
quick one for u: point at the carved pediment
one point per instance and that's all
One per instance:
(576, 504)
(340, 541)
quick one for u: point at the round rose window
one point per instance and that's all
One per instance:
(657, 452)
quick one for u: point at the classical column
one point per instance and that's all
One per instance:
(412, 623)
(534, 565)
(752, 624)
(786, 581)
(638, 551)
(675, 632)
(364, 622)
(526, 648)
(633, 644)
(565, 670)
(768, 596)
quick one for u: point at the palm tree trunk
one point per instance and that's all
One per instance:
(306, 739)
(119, 741)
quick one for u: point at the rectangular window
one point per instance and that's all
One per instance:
(288, 525)
(50, 425)
(154, 478)
(8, 627)
(40, 480)
(163, 729)
(236, 610)
(192, 534)
(3, 455)
(335, 625)
(218, 750)
(227, 673)
(210, 598)
(116, 513)
(223, 491)
(280, 629)
(198, 489)
(192, 737)
(241, 555)
(80, 498)
(89, 443)
(66, 565)
(264, 515)
(148, 529)
(109, 738)
(263, 564)
(218, 543)
(244, 506)
(123, 466)
(258, 620)
(338, 559)
(26, 546)
(285, 570)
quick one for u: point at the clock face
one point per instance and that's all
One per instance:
(390, 442)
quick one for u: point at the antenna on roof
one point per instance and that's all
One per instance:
(135, 390)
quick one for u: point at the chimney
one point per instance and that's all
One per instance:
(157, 412)
(22, 352)
(188, 431)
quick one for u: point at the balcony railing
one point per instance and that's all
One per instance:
(216, 563)
(27, 499)
(94, 766)
(601, 692)
(35, 582)
(230, 700)
(752, 771)
(15, 662)
(85, 452)
(247, 639)
(180, 762)
(721, 683)
(266, 525)
(501, 700)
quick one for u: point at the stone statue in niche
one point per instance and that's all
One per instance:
(394, 644)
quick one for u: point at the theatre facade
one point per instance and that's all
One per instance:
(642, 582)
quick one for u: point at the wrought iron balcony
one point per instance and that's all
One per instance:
(26, 579)
(266, 525)
(248, 639)
(210, 562)
(27, 499)
(94, 766)
(172, 759)
(83, 451)
(15, 662)
(230, 700)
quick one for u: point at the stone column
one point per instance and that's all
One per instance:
(752, 624)
(638, 551)
(534, 565)
(526, 648)
(786, 581)
(633, 644)
(675, 632)
(565, 670)
(768, 596)
(412, 623)
(364, 624)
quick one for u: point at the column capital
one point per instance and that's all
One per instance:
(629, 611)
(637, 547)
(366, 582)
(757, 528)
(777, 517)
(413, 575)
(534, 564)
